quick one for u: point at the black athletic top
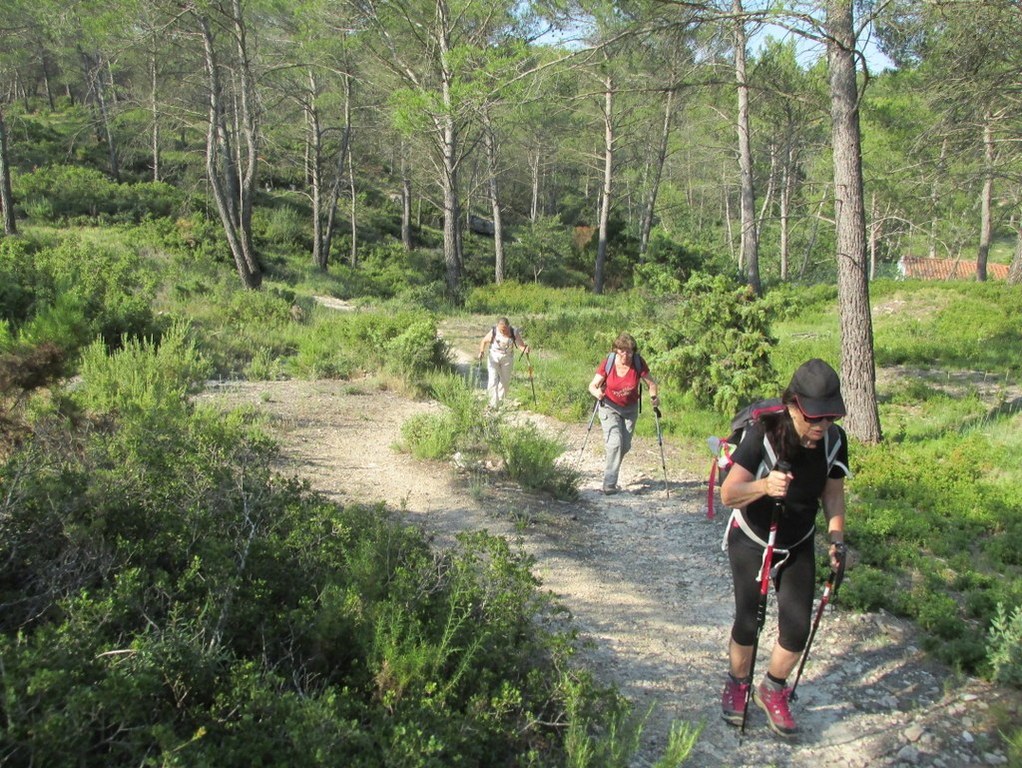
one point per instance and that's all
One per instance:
(809, 476)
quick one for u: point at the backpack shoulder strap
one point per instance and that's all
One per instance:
(769, 460)
(831, 447)
(608, 366)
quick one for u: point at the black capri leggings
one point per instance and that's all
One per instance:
(795, 585)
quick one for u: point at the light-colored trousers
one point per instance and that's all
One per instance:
(499, 377)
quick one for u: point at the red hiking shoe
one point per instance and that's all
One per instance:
(732, 702)
(775, 703)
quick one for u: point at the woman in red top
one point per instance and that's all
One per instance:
(618, 391)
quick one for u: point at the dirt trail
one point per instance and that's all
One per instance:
(647, 583)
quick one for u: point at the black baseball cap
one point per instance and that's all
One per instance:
(817, 390)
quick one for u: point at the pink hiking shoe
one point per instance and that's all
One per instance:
(732, 702)
(775, 703)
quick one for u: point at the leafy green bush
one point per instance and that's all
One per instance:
(530, 458)
(1005, 646)
(170, 596)
(716, 344)
(430, 435)
(541, 252)
(74, 290)
(417, 351)
(282, 225)
(341, 344)
(143, 379)
(61, 192)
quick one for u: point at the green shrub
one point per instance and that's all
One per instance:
(530, 459)
(430, 435)
(282, 225)
(143, 378)
(171, 590)
(716, 344)
(868, 588)
(62, 192)
(417, 351)
(1005, 646)
(70, 292)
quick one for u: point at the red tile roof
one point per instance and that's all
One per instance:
(947, 269)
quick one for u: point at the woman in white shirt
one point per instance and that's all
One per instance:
(502, 340)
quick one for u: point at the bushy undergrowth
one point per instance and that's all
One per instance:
(172, 600)
(63, 192)
(530, 298)
(465, 426)
(342, 345)
(530, 458)
(70, 290)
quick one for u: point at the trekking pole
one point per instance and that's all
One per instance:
(764, 588)
(589, 429)
(829, 593)
(532, 379)
(660, 439)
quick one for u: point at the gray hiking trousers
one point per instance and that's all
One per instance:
(618, 423)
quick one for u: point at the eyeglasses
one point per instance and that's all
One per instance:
(819, 419)
(624, 352)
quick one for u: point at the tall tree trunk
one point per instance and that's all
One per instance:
(875, 229)
(768, 196)
(649, 209)
(353, 192)
(750, 237)
(858, 365)
(249, 132)
(154, 111)
(330, 228)
(787, 193)
(94, 76)
(45, 64)
(314, 153)
(608, 175)
(227, 188)
(448, 131)
(406, 201)
(490, 144)
(6, 196)
(534, 163)
(986, 197)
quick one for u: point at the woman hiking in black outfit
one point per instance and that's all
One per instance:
(804, 436)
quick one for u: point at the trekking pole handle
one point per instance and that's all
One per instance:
(838, 574)
(783, 467)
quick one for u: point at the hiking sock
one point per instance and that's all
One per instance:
(747, 680)
(774, 683)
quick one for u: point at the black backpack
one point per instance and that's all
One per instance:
(722, 448)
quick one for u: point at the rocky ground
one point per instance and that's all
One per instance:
(646, 582)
